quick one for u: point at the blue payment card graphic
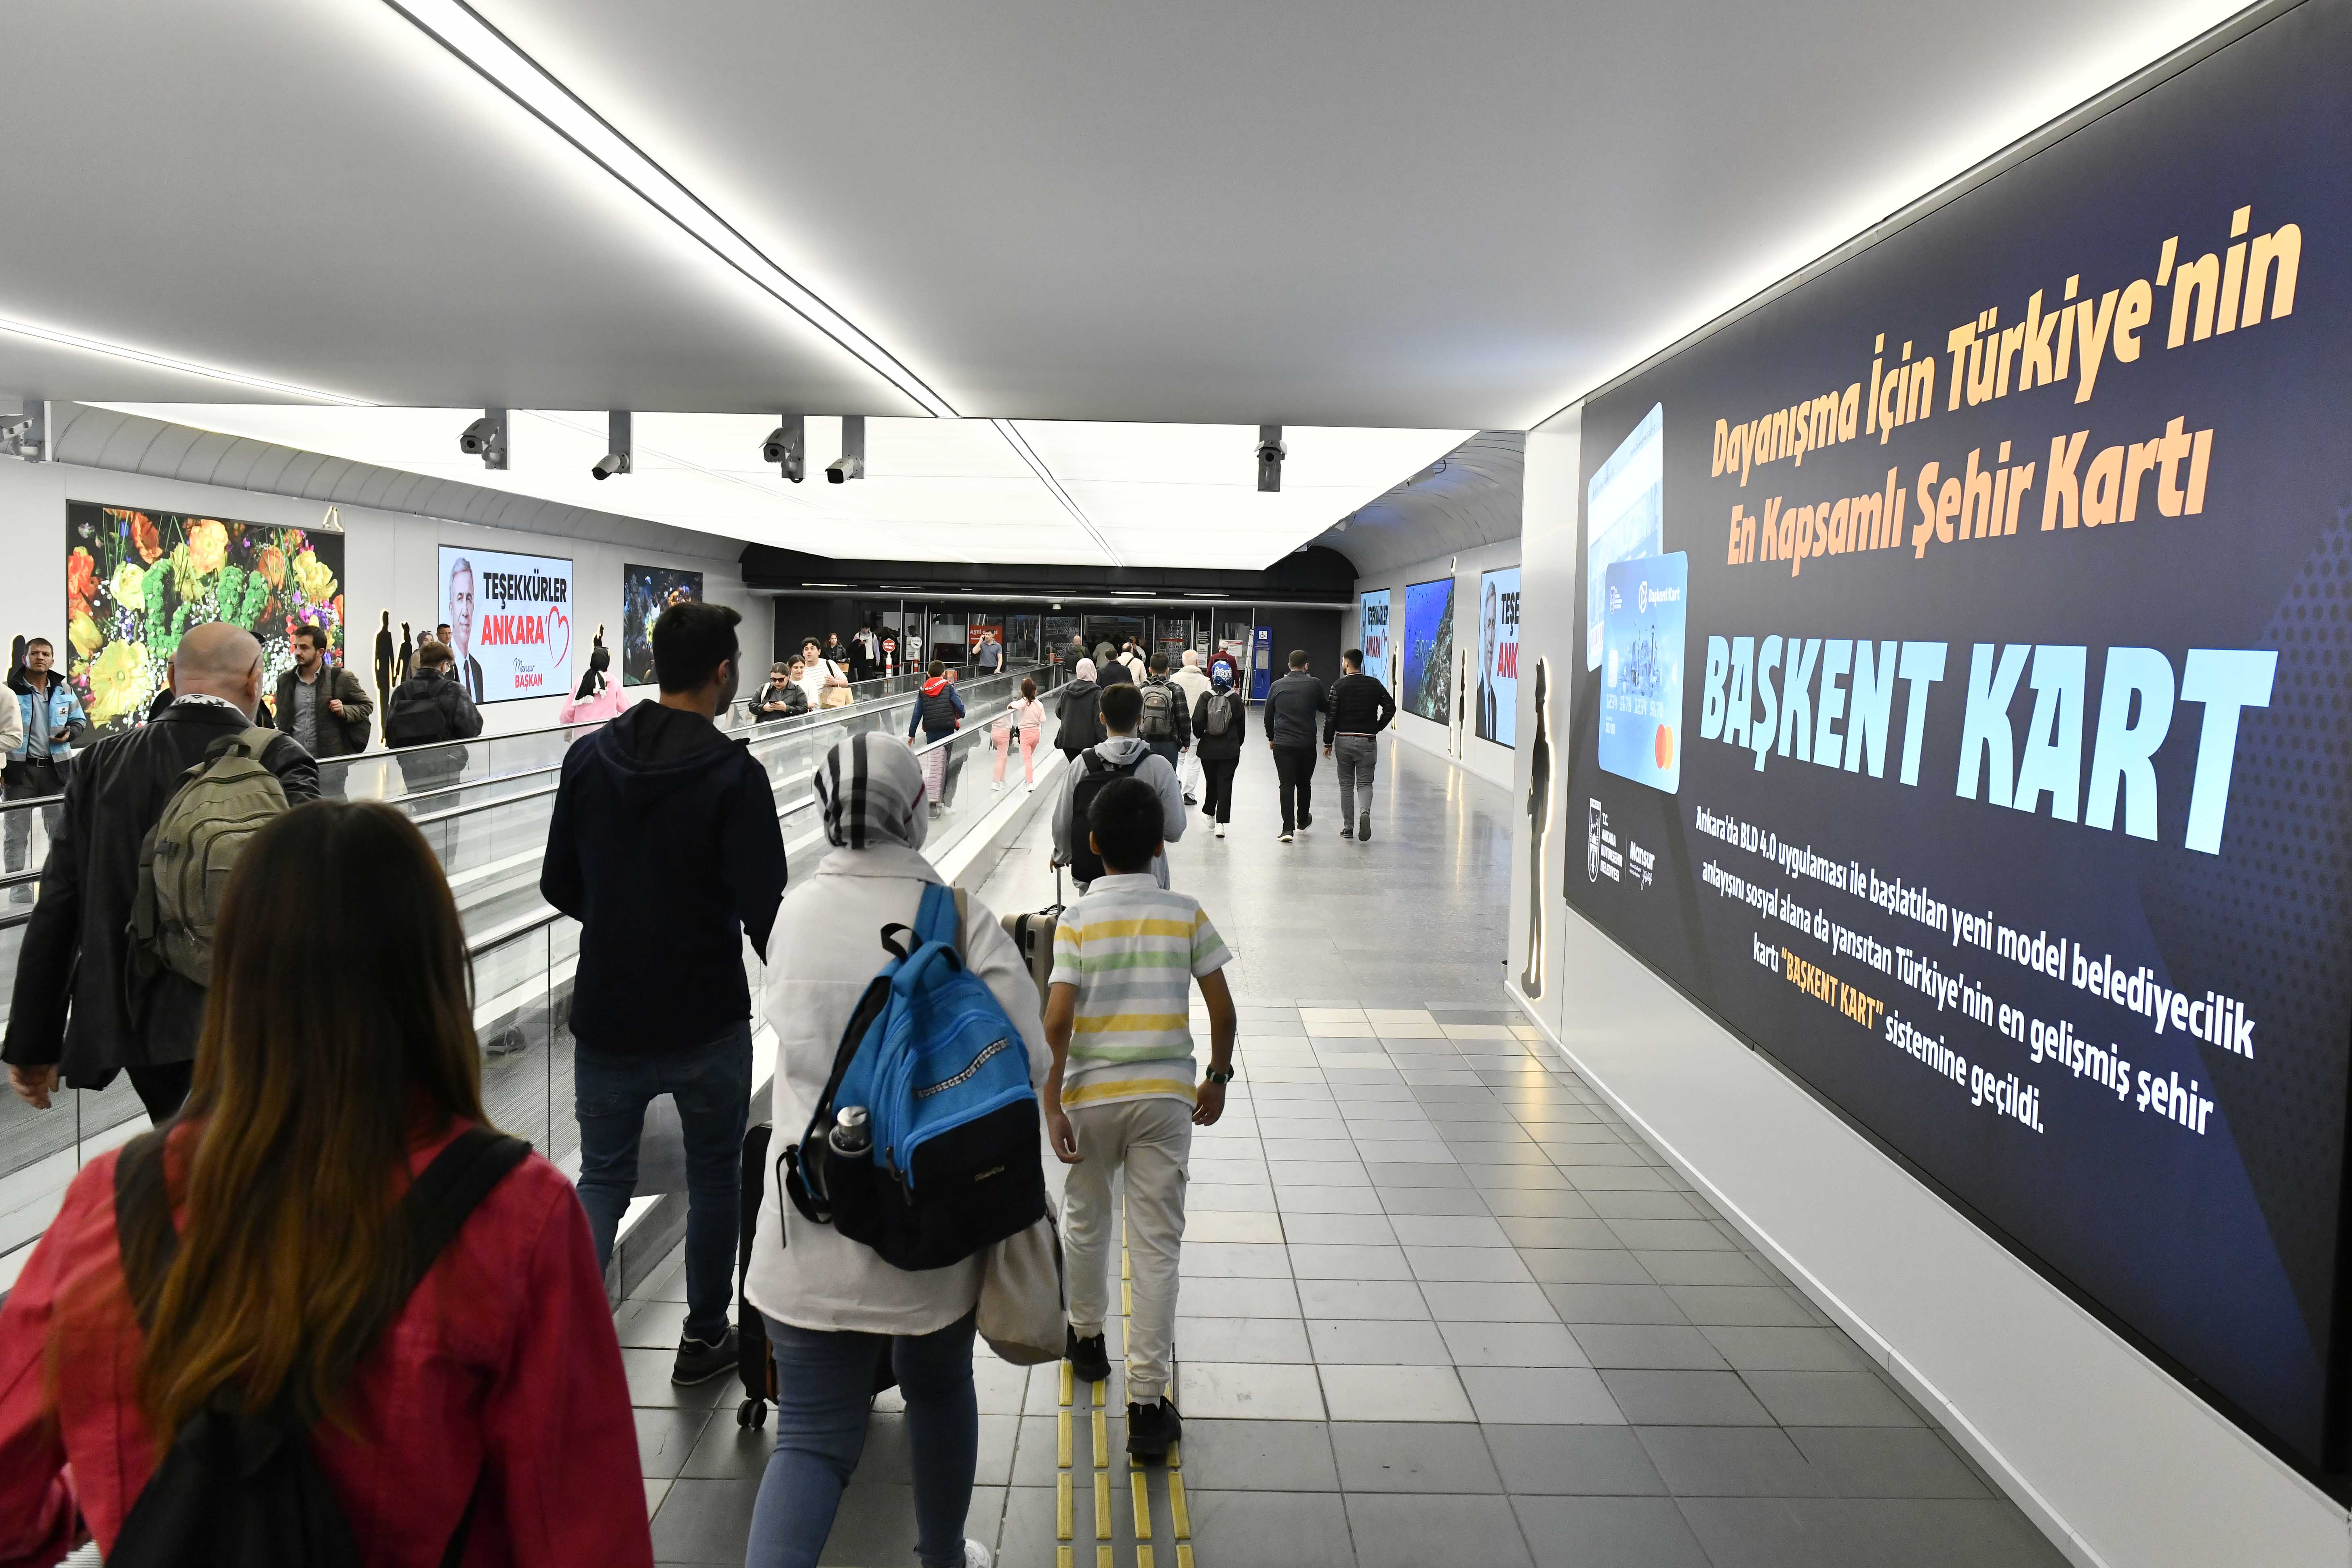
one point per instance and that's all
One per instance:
(1642, 669)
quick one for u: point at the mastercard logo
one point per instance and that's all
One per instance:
(1665, 746)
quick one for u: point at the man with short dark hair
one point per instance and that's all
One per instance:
(1121, 753)
(78, 1012)
(1293, 704)
(1166, 724)
(1361, 709)
(427, 712)
(324, 708)
(49, 722)
(664, 845)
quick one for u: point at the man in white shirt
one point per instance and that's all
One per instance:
(1193, 681)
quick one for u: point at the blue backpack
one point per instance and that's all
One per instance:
(950, 1161)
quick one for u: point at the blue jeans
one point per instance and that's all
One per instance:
(825, 1384)
(711, 1083)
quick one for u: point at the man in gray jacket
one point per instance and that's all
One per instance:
(1293, 706)
(1120, 756)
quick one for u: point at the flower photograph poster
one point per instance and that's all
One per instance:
(136, 579)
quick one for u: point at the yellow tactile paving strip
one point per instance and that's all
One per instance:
(1138, 1475)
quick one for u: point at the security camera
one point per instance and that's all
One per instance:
(618, 447)
(851, 464)
(787, 447)
(23, 435)
(487, 438)
(1270, 453)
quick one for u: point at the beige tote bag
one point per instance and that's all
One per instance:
(1021, 1312)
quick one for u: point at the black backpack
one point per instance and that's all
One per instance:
(247, 1492)
(1084, 864)
(1081, 723)
(415, 719)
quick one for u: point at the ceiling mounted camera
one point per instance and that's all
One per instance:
(617, 458)
(1270, 453)
(851, 464)
(487, 438)
(787, 447)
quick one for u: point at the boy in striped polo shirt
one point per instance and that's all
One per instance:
(1121, 1093)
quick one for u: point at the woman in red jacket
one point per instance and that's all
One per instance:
(338, 1058)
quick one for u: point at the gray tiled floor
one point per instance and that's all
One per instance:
(1440, 1305)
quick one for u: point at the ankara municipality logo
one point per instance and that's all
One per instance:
(1642, 597)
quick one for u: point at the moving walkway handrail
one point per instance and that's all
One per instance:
(523, 925)
(380, 752)
(763, 736)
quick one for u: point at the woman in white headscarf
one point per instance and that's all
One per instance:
(832, 1304)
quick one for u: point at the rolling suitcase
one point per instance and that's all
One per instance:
(1034, 936)
(754, 1364)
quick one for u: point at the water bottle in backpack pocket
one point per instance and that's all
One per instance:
(945, 1159)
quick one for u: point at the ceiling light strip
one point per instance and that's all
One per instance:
(465, 34)
(186, 367)
(1028, 453)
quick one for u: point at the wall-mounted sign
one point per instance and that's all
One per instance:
(509, 620)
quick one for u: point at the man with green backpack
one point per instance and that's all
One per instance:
(118, 954)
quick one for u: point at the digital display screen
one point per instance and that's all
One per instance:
(1964, 718)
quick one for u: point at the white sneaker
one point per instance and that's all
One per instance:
(1221, 830)
(1286, 838)
(975, 1555)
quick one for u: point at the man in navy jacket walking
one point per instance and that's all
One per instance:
(664, 845)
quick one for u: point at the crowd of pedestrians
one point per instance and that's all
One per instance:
(324, 1254)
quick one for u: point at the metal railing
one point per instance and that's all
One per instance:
(523, 951)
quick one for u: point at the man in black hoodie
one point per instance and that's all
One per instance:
(664, 845)
(1293, 705)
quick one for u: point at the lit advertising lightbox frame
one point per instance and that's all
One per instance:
(1980, 750)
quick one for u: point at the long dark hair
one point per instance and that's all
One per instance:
(340, 1026)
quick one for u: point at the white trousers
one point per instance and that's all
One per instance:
(1151, 1141)
(1189, 775)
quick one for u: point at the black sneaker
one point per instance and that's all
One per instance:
(698, 1362)
(1089, 1358)
(1191, 800)
(1347, 832)
(1364, 830)
(1305, 821)
(1151, 1429)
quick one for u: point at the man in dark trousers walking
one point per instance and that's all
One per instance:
(78, 1013)
(1293, 706)
(1361, 709)
(664, 845)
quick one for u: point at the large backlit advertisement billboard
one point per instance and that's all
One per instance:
(1429, 650)
(1496, 699)
(1372, 633)
(1969, 732)
(509, 619)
